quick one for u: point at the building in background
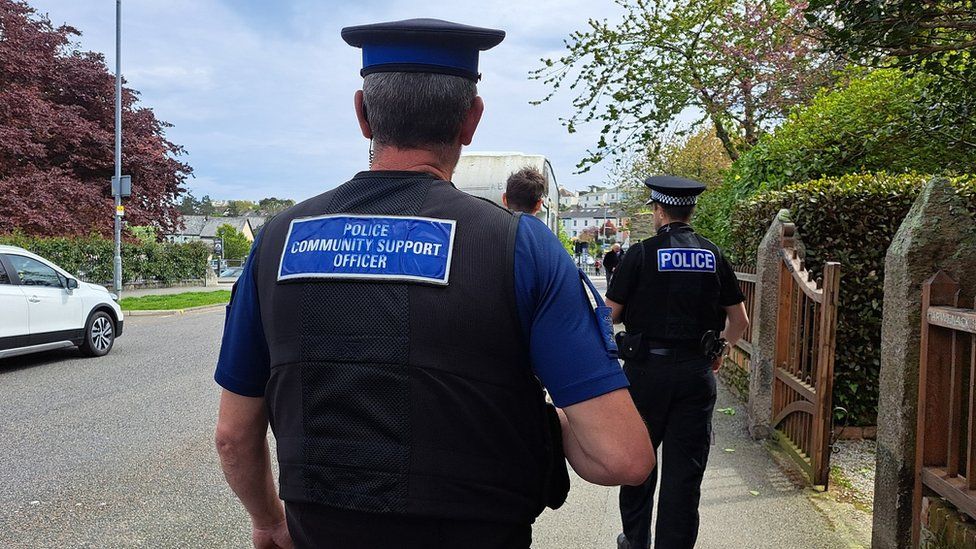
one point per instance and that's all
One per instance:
(568, 199)
(202, 227)
(598, 197)
(578, 220)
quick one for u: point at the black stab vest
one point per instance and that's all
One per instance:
(675, 306)
(401, 397)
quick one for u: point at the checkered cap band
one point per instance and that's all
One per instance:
(673, 200)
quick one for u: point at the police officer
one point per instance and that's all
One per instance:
(678, 298)
(394, 332)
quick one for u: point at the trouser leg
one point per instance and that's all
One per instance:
(649, 388)
(685, 455)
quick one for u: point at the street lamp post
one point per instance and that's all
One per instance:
(117, 180)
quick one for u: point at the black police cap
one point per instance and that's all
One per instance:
(422, 45)
(674, 191)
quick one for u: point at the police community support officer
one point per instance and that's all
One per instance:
(392, 331)
(669, 291)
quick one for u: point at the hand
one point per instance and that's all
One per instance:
(275, 536)
(717, 363)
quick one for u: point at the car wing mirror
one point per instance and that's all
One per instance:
(72, 284)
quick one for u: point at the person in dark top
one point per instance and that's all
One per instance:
(524, 190)
(678, 298)
(610, 261)
(397, 333)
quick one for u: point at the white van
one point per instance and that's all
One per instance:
(484, 174)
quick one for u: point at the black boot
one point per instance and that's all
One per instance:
(622, 542)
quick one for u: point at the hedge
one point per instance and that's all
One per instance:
(92, 258)
(851, 219)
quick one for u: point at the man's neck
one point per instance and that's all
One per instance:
(414, 160)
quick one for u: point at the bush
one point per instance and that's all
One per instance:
(92, 258)
(850, 219)
(873, 122)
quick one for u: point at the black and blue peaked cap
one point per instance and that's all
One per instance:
(422, 45)
(671, 190)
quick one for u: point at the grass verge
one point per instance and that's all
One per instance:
(174, 301)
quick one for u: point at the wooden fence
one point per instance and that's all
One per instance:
(945, 451)
(804, 360)
(738, 362)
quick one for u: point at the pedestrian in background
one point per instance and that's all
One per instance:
(395, 330)
(682, 308)
(610, 261)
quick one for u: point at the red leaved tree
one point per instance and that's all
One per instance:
(57, 142)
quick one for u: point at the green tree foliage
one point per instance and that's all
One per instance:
(933, 37)
(850, 219)
(565, 240)
(90, 258)
(274, 206)
(236, 245)
(740, 62)
(237, 208)
(864, 125)
(699, 156)
(144, 233)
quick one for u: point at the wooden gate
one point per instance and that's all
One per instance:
(804, 360)
(740, 356)
(945, 451)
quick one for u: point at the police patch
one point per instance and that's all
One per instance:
(369, 247)
(696, 260)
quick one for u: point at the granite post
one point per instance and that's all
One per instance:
(937, 234)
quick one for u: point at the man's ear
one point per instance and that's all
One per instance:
(361, 115)
(471, 120)
(505, 200)
(537, 207)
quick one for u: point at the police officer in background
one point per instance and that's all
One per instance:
(395, 330)
(678, 299)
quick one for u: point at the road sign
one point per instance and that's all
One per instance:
(120, 210)
(219, 247)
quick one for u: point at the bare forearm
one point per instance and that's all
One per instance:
(585, 466)
(734, 332)
(247, 468)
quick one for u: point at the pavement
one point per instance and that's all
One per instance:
(118, 452)
(176, 290)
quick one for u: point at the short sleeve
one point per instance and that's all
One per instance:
(244, 365)
(565, 342)
(730, 294)
(623, 283)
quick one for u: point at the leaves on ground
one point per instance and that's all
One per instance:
(727, 411)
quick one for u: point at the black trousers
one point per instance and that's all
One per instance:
(321, 527)
(676, 396)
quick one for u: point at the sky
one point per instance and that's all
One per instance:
(259, 92)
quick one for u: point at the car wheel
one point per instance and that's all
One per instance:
(99, 335)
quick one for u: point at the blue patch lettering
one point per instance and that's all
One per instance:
(369, 247)
(695, 260)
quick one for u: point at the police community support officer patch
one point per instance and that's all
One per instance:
(696, 260)
(368, 247)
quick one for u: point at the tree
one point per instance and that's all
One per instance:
(739, 62)
(189, 205)
(236, 245)
(57, 131)
(937, 38)
(236, 208)
(699, 156)
(274, 206)
(206, 206)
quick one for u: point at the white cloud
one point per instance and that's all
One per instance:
(260, 93)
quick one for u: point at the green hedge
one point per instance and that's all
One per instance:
(91, 258)
(850, 219)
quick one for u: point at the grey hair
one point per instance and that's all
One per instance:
(413, 110)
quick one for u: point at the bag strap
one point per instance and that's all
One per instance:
(592, 289)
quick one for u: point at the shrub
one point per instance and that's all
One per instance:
(91, 258)
(850, 219)
(873, 122)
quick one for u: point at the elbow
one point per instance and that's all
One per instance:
(232, 444)
(636, 470)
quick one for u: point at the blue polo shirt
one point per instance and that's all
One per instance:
(566, 345)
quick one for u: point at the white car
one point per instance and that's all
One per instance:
(44, 308)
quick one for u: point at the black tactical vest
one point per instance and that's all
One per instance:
(402, 397)
(675, 306)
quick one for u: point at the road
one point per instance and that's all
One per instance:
(118, 452)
